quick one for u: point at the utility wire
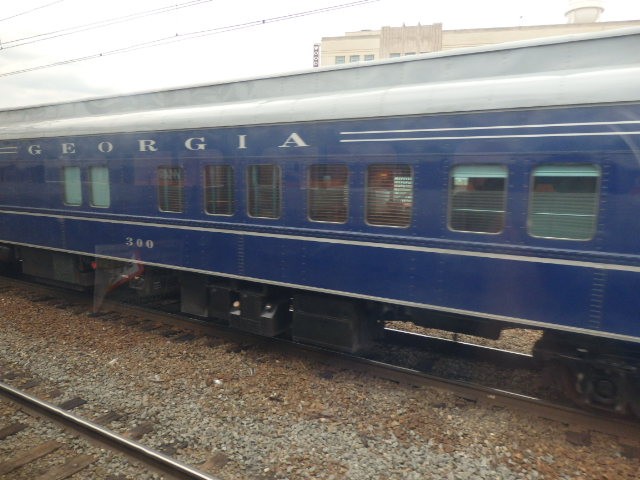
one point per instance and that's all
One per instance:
(189, 36)
(94, 25)
(29, 11)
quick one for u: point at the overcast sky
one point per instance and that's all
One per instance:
(263, 48)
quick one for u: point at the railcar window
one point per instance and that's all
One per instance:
(328, 193)
(389, 197)
(477, 195)
(100, 190)
(564, 202)
(264, 185)
(72, 186)
(218, 189)
(171, 189)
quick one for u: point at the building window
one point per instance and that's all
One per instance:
(410, 53)
(394, 55)
(328, 193)
(354, 58)
(369, 57)
(263, 182)
(100, 189)
(389, 197)
(477, 197)
(339, 59)
(564, 202)
(171, 189)
(218, 189)
(72, 186)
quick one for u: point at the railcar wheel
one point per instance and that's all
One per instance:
(602, 391)
(602, 388)
(587, 386)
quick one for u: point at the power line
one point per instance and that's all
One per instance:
(189, 36)
(94, 25)
(29, 11)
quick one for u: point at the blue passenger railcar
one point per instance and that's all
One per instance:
(471, 191)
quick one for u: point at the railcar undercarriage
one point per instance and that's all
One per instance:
(593, 372)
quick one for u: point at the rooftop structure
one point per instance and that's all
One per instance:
(390, 42)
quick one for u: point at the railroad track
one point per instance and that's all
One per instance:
(581, 420)
(94, 432)
(180, 326)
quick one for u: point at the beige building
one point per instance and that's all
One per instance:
(389, 42)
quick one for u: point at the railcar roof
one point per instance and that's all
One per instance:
(568, 70)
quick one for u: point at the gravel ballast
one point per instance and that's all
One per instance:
(249, 412)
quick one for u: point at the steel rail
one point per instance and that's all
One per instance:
(148, 457)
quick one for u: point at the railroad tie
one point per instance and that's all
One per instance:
(29, 456)
(71, 466)
(11, 430)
